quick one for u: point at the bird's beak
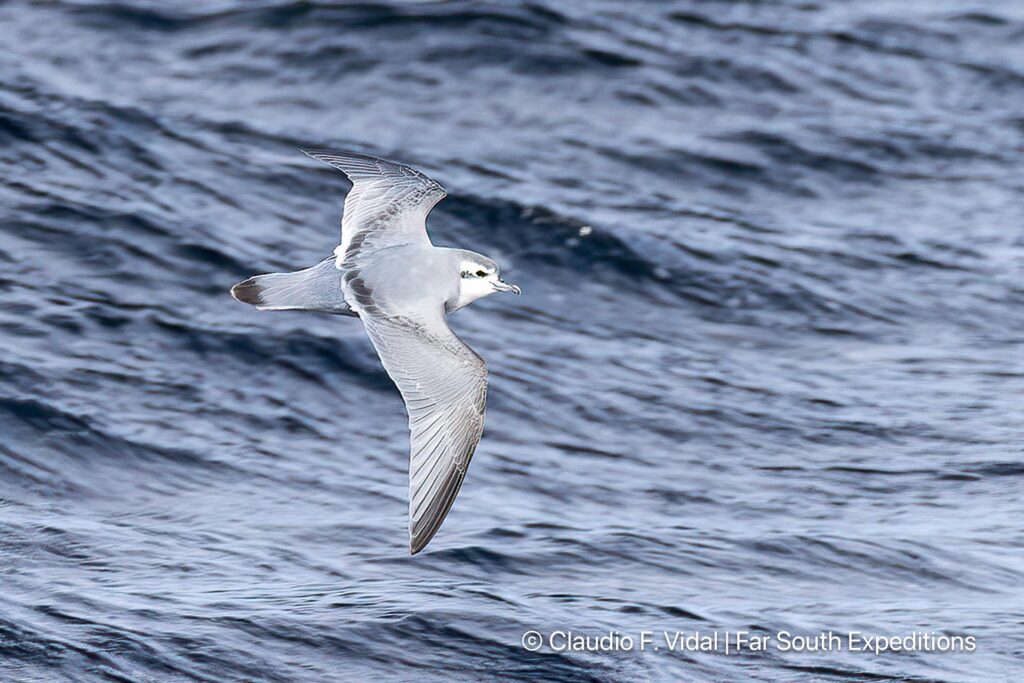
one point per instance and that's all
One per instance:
(501, 286)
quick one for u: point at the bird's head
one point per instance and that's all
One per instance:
(479, 276)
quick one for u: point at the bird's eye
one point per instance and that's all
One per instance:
(480, 273)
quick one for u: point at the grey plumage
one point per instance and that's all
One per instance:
(313, 289)
(387, 272)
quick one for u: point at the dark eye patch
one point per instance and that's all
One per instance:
(481, 273)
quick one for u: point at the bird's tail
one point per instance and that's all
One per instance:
(313, 289)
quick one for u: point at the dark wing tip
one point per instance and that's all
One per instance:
(438, 508)
(248, 292)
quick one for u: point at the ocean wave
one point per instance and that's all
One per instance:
(763, 375)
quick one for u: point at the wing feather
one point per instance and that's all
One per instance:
(444, 386)
(387, 206)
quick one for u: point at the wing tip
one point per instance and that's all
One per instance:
(437, 512)
(321, 154)
(417, 542)
(360, 164)
(355, 165)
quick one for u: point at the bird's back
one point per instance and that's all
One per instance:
(412, 277)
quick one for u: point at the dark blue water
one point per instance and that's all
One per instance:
(767, 372)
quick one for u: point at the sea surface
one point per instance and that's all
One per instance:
(766, 375)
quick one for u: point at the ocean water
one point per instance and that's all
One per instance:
(766, 375)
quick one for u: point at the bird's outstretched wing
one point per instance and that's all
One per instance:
(387, 206)
(444, 385)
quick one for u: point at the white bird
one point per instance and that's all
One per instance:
(388, 273)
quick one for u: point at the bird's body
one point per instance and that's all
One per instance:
(413, 277)
(388, 273)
